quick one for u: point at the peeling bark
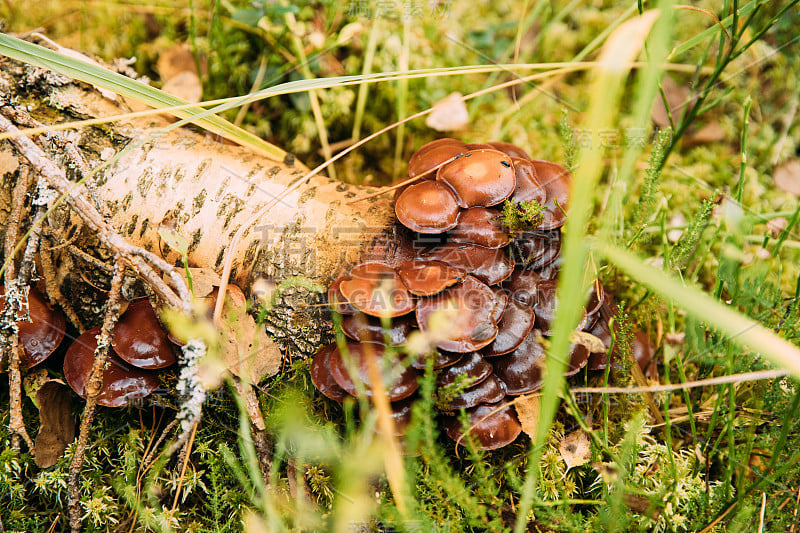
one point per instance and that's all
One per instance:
(203, 186)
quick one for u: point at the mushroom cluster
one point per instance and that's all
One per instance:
(139, 348)
(496, 285)
(42, 331)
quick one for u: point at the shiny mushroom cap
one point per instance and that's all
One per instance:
(514, 326)
(521, 370)
(557, 181)
(471, 305)
(490, 390)
(400, 383)
(43, 333)
(479, 225)
(441, 359)
(427, 207)
(480, 178)
(528, 188)
(321, 374)
(537, 249)
(122, 383)
(492, 426)
(434, 153)
(490, 265)
(365, 328)
(139, 339)
(472, 367)
(426, 278)
(511, 150)
(375, 289)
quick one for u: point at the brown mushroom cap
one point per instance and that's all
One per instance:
(434, 153)
(336, 300)
(473, 324)
(521, 370)
(502, 299)
(365, 328)
(640, 345)
(490, 429)
(557, 181)
(122, 383)
(426, 278)
(511, 150)
(401, 384)
(528, 188)
(321, 374)
(471, 366)
(514, 326)
(578, 357)
(480, 178)
(479, 225)
(42, 334)
(480, 146)
(427, 207)
(375, 288)
(441, 359)
(139, 339)
(538, 248)
(401, 415)
(490, 390)
(490, 265)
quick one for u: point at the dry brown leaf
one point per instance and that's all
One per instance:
(787, 176)
(776, 226)
(57, 427)
(450, 115)
(528, 409)
(711, 132)
(677, 97)
(203, 280)
(249, 353)
(587, 340)
(177, 59)
(575, 448)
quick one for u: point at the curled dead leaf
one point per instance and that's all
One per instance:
(787, 177)
(575, 448)
(449, 115)
(57, 426)
(588, 341)
(528, 408)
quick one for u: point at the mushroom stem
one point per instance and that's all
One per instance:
(93, 387)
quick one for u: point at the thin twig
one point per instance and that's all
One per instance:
(93, 388)
(15, 301)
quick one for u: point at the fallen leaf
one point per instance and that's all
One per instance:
(203, 280)
(186, 86)
(450, 114)
(248, 351)
(588, 341)
(677, 97)
(710, 133)
(776, 226)
(175, 60)
(57, 426)
(787, 177)
(575, 448)
(528, 409)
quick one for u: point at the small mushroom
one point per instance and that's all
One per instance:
(521, 370)
(122, 383)
(426, 278)
(557, 181)
(513, 328)
(473, 325)
(492, 425)
(578, 357)
(538, 249)
(511, 150)
(502, 299)
(528, 188)
(471, 366)
(139, 339)
(336, 300)
(490, 390)
(365, 328)
(376, 289)
(402, 381)
(43, 333)
(480, 178)
(321, 374)
(401, 415)
(490, 265)
(434, 153)
(427, 207)
(479, 225)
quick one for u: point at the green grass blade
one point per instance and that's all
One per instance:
(743, 330)
(702, 36)
(106, 79)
